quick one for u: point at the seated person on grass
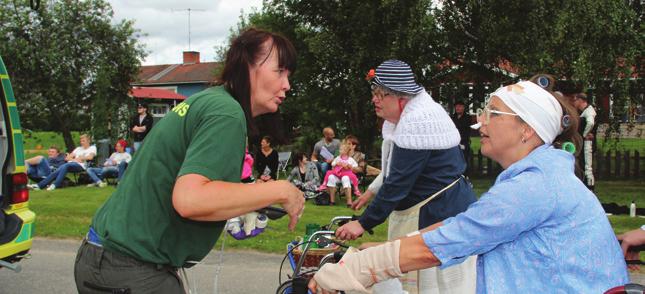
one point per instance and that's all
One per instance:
(115, 165)
(39, 167)
(304, 175)
(342, 170)
(76, 162)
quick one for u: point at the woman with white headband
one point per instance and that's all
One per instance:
(537, 228)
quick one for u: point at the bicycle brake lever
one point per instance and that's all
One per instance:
(273, 213)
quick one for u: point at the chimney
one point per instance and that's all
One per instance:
(191, 57)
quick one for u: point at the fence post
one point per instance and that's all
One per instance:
(608, 162)
(617, 167)
(637, 164)
(627, 169)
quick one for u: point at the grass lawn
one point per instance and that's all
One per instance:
(66, 213)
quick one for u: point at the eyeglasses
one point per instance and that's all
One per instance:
(485, 114)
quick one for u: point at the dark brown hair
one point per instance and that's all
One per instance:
(570, 133)
(352, 139)
(298, 158)
(246, 50)
(268, 139)
(55, 148)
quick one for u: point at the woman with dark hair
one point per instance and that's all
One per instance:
(266, 161)
(358, 156)
(537, 228)
(305, 175)
(170, 208)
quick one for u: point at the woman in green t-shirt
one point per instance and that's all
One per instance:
(183, 184)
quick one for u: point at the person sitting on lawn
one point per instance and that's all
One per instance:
(116, 164)
(342, 171)
(247, 168)
(39, 167)
(304, 175)
(266, 161)
(76, 162)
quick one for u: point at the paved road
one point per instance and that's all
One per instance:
(50, 270)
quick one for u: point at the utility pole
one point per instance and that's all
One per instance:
(189, 10)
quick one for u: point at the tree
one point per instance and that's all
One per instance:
(337, 43)
(70, 66)
(592, 43)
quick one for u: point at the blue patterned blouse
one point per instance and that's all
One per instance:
(537, 229)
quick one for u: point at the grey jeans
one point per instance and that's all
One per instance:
(97, 270)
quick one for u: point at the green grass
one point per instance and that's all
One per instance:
(66, 213)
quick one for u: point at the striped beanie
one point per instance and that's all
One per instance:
(396, 75)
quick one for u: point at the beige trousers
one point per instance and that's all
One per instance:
(458, 279)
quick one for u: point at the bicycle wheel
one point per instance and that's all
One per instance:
(285, 288)
(288, 288)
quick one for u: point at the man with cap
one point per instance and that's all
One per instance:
(587, 131)
(421, 182)
(114, 165)
(462, 120)
(141, 125)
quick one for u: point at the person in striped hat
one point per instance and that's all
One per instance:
(421, 182)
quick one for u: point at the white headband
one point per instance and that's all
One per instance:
(537, 107)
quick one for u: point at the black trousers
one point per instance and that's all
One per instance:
(97, 270)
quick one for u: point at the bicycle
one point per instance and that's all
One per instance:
(298, 281)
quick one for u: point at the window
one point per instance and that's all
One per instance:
(158, 109)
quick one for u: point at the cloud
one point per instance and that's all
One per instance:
(165, 24)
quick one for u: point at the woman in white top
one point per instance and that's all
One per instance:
(76, 162)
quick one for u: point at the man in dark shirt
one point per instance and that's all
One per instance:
(141, 125)
(463, 121)
(39, 167)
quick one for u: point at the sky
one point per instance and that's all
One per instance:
(165, 23)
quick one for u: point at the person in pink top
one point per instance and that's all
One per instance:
(247, 168)
(342, 171)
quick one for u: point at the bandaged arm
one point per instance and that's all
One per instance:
(358, 271)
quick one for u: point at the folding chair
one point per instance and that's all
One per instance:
(283, 162)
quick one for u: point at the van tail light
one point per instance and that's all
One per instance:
(20, 192)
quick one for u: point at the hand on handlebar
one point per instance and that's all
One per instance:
(313, 287)
(350, 231)
(294, 203)
(632, 239)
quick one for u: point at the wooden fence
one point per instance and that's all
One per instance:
(616, 165)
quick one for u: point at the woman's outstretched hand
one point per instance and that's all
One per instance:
(294, 202)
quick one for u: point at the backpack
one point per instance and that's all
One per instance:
(322, 199)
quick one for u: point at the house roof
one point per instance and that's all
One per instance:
(202, 73)
(155, 94)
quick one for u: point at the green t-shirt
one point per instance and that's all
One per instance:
(205, 135)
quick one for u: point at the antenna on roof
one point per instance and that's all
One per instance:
(189, 10)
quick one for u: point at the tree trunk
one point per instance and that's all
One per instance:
(67, 137)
